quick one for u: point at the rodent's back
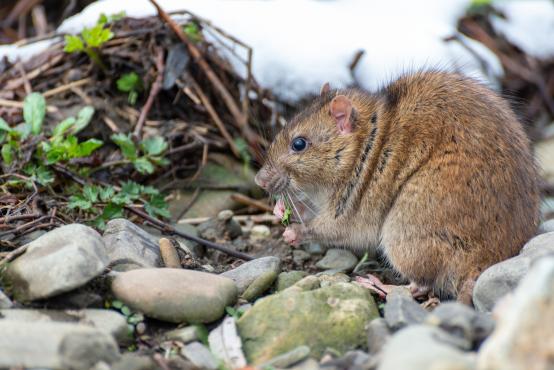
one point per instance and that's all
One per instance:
(464, 167)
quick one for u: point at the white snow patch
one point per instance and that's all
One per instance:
(300, 44)
(529, 24)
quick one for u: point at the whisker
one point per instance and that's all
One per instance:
(304, 203)
(294, 207)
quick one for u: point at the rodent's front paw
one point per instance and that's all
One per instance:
(293, 234)
(279, 209)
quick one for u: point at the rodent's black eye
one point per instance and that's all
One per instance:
(299, 144)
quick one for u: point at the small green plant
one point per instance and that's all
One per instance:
(91, 40)
(242, 147)
(192, 30)
(285, 220)
(144, 156)
(132, 84)
(107, 203)
(133, 318)
(234, 312)
(202, 333)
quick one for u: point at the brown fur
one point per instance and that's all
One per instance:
(448, 186)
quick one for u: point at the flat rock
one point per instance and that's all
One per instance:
(130, 247)
(402, 310)
(334, 316)
(245, 274)
(176, 295)
(378, 333)
(107, 321)
(54, 345)
(524, 333)
(462, 321)
(337, 259)
(289, 278)
(502, 278)
(59, 261)
(422, 347)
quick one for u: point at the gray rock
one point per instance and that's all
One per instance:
(546, 227)
(223, 226)
(130, 247)
(259, 286)
(59, 261)
(5, 302)
(175, 295)
(421, 347)
(402, 310)
(462, 321)
(107, 321)
(200, 356)
(54, 345)
(27, 238)
(300, 256)
(260, 232)
(307, 364)
(245, 274)
(338, 259)
(502, 278)
(352, 360)
(334, 316)
(186, 335)
(287, 279)
(131, 361)
(378, 333)
(524, 334)
(289, 358)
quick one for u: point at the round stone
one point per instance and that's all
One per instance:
(176, 295)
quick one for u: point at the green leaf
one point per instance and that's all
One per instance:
(73, 44)
(103, 19)
(143, 165)
(22, 131)
(231, 311)
(77, 201)
(126, 311)
(4, 126)
(83, 118)
(34, 110)
(63, 126)
(133, 96)
(202, 333)
(192, 31)
(150, 190)
(131, 189)
(154, 145)
(87, 147)
(285, 220)
(7, 153)
(96, 36)
(127, 146)
(90, 192)
(106, 193)
(111, 211)
(157, 206)
(117, 304)
(129, 82)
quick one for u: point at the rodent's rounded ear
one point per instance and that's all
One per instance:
(341, 111)
(325, 89)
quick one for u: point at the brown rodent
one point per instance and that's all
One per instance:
(434, 169)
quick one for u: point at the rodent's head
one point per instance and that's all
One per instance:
(315, 150)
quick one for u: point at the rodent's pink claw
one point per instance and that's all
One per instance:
(292, 236)
(279, 209)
